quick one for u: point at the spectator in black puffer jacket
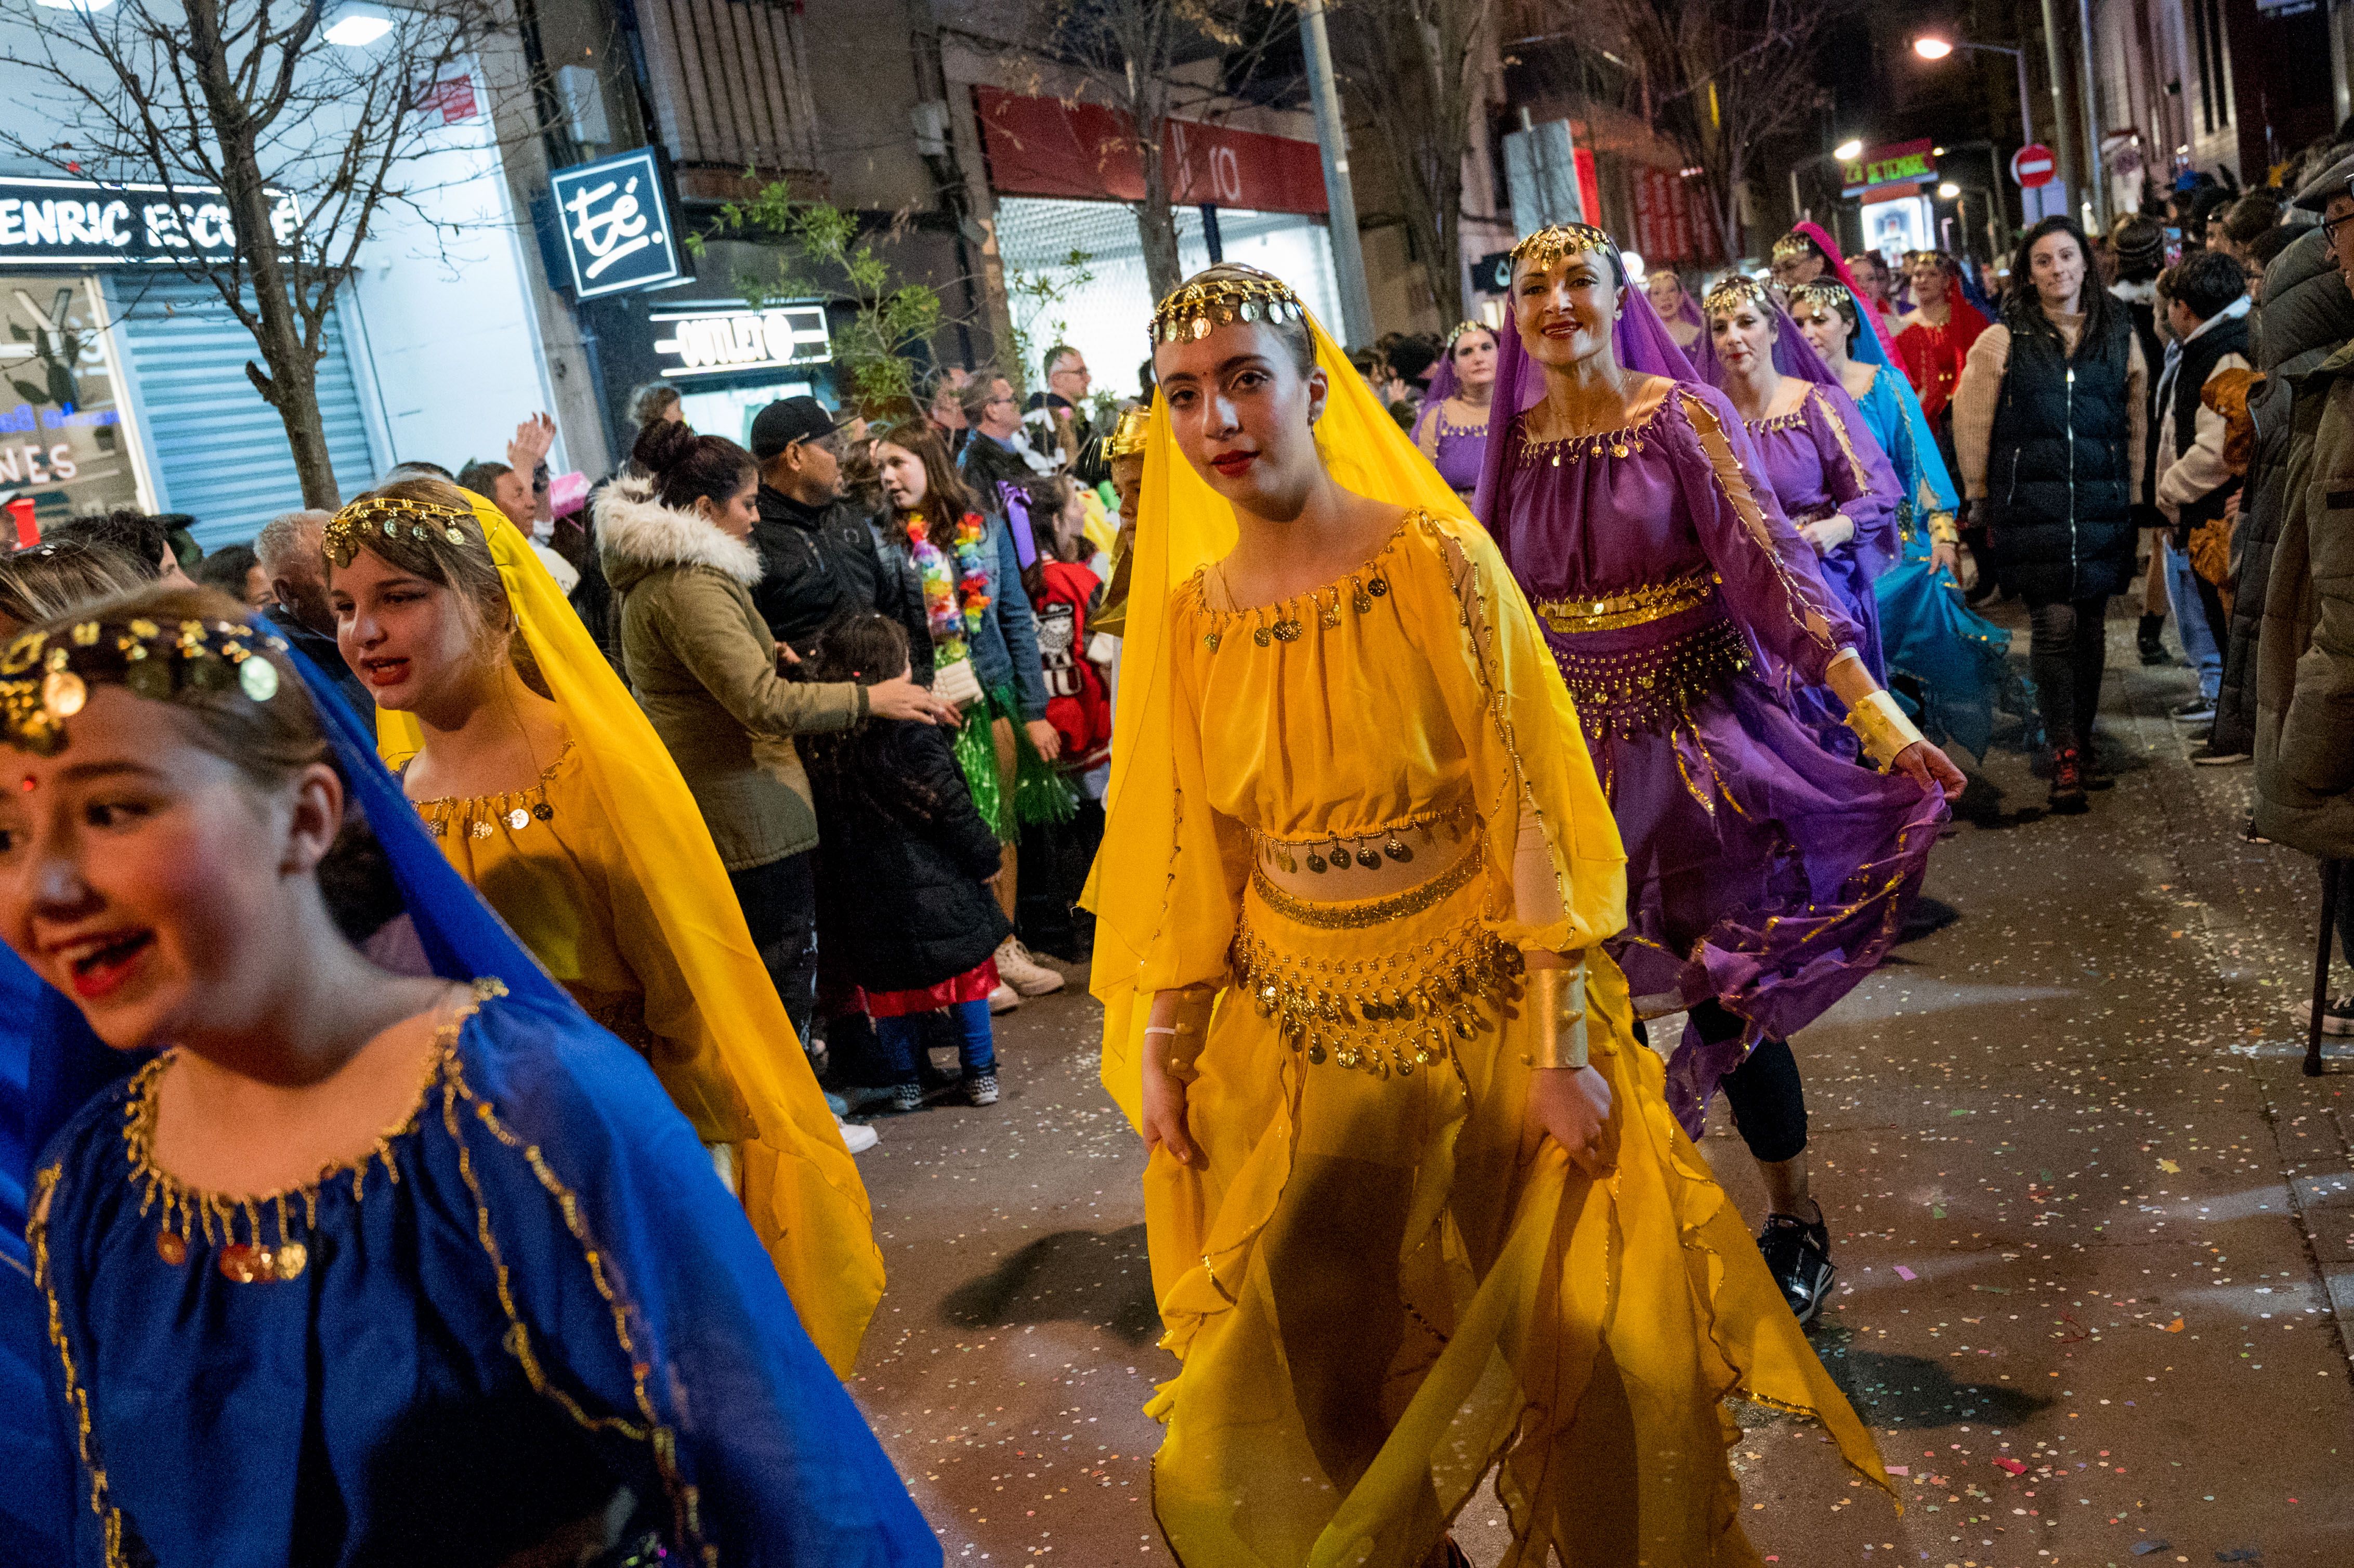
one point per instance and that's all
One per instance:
(2050, 420)
(2307, 315)
(905, 861)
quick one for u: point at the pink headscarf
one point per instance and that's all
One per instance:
(1865, 305)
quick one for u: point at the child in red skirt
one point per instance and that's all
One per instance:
(904, 869)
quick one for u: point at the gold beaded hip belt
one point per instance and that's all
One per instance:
(1636, 606)
(1380, 1011)
(1649, 688)
(1359, 914)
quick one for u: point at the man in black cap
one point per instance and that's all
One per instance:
(817, 553)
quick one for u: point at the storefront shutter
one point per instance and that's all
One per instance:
(215, 449)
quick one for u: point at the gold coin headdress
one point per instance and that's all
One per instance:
(1733, 290)
(1793, 247)
(1127, 438)
(390, 517)
(1828, 292)
(46, 677)
(1555, 241)
(1456, 334)
(1195, 310)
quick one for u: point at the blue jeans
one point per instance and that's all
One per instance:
(2191, 620)
(903, 1039)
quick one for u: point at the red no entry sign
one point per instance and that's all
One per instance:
(2032, 165)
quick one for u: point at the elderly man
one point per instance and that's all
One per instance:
(2298, 518)
(999, 451)
(291, 550)
(1065, 404)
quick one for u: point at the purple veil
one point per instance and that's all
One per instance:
(1793, 354)
(1641, 343)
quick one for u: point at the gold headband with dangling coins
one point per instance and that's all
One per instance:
(46, 677)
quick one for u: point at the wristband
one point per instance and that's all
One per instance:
(1188, 1032)
(1883, 728)
(1942, 530)
(1556, 1000)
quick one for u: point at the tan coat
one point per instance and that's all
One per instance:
(703, 666)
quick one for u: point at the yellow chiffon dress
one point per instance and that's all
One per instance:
(548, 861)
(605, 870)
(1380, 1284)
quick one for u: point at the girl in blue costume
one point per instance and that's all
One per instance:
(380, 1261)
(1957, 661)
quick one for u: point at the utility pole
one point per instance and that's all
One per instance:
(2055, 57)
(2097, 194)
(1332, 137)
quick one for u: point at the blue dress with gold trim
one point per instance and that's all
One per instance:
(529, 1317)
(1946, 661)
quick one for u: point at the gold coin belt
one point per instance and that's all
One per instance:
(1400, 1010)
(1639, 690)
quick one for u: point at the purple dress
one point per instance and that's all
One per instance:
(1456, 450)
(1762, 871)
(1819, 461)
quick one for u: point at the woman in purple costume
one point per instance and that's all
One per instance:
(1818, 456)
(1765, 876)
(1453, 429)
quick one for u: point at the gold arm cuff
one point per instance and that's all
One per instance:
(1883, 728)
(1556, 1000)
(1942, 530)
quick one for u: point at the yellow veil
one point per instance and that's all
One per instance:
(802, 1191)
(1182, 526)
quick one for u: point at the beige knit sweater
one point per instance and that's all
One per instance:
(1978, 391)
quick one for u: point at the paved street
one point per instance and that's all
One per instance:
(2097, 1231)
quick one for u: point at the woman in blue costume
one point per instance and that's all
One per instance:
(1958, 661)
(393, 1256)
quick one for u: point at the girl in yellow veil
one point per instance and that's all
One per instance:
(574, 824)
(1415, 1202)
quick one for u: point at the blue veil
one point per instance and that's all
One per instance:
(1911, 448)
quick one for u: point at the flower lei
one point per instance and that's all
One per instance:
(955, 600)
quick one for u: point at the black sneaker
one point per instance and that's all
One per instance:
(2153, 651)
(1799, 1256)
(2067, 794)
(981, 1090)
(2088, 765)
(906, 1097)
(2198, 710)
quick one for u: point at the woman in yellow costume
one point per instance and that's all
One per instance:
(547, 790)
(1415, 1205)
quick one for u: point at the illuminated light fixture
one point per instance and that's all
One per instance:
(356, 29)
(1850, 148)
(1932, 48)
(1936, 152)
(1950, 191)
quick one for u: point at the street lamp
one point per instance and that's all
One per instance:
(1949, 191)
(1850, 148)
(1930, 46)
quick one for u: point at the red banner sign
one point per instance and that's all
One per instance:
(1665, 226)
(1046, 147)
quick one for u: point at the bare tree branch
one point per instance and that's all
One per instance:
(243, 107)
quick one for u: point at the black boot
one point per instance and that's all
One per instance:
(1799, 1256)
(2153, 651)
(2067, 792)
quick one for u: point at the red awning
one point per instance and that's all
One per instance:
(1046, 147)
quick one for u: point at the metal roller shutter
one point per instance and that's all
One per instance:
(214, 449)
